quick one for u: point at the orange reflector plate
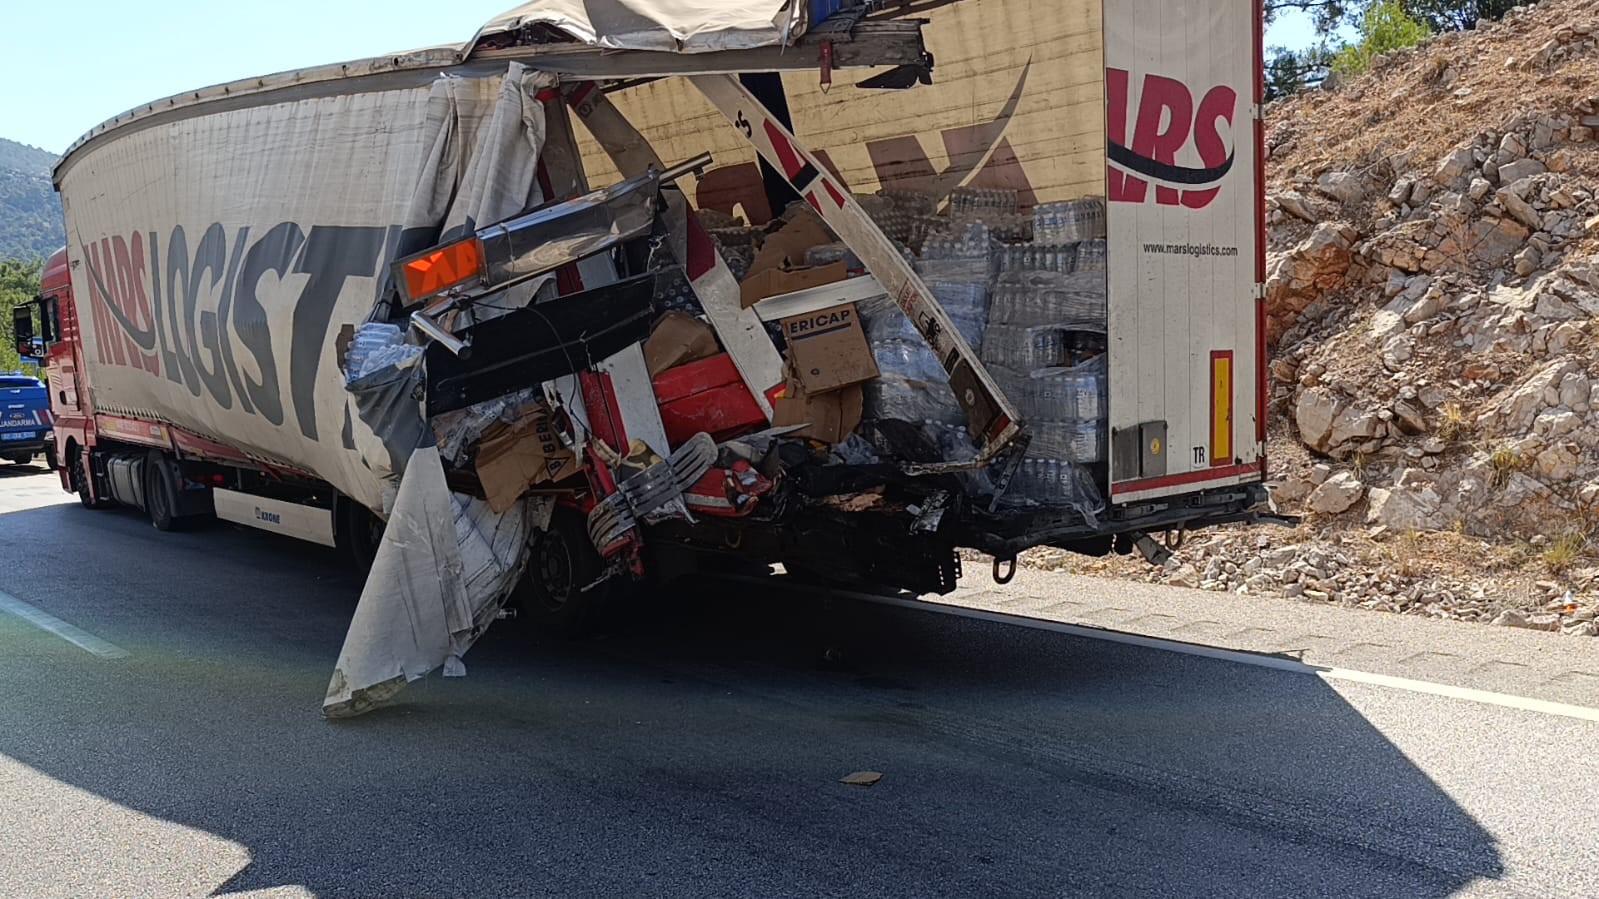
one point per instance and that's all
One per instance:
(1221, 408)
(439, 270)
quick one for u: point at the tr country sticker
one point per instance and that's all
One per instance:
(1168, 122)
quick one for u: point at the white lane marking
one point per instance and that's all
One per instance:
(46, 622)
(1468, 694)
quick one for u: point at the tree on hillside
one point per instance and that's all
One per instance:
(1439, 15)
(1383, 25)
(19, 283)
(1384, 28)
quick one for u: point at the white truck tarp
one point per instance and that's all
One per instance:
(678, 26)
(210, 298)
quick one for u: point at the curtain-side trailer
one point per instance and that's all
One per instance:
(839, 286)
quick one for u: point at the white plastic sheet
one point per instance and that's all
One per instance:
(440, 576)
(682, 26)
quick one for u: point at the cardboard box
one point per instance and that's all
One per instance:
(786, 248)
(513, 457)
(827, 349)
(774, 282)
(678, 339)
(831, 416)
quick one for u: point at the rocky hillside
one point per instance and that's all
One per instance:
(1432, 298)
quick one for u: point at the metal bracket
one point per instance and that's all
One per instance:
(650, 491)
(1010, 573)
(1153, 552)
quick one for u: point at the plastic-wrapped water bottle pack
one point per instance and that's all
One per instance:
(1061, 258)
(1055, 483)
(964, 241)
(898, 398)
(1027, 299)
(1076, 392)
(1070, 221)
(969, 201)
(376, 346)
(1091, 256)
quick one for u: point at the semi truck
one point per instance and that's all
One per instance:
(842, 286)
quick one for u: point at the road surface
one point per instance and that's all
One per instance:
(160, 736)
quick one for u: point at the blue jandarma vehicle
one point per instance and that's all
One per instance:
(24, 417)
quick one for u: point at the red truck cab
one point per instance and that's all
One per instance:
(63, 364)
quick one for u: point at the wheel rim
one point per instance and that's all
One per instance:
(553, 563)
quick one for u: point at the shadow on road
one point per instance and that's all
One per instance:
(13, 470)
(697, 750)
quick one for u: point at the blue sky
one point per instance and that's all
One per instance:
(72, 64)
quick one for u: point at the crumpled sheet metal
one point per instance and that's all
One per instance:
(444, 568)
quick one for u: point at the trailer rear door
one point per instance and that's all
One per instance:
(1184, 186)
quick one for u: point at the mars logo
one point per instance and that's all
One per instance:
(1168, 122)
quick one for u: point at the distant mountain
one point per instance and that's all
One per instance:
(30, 210)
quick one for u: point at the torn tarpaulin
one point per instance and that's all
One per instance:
(445, 566)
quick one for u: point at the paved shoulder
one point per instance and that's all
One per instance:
(1524, 663)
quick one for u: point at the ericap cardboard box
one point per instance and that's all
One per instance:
(827, 349)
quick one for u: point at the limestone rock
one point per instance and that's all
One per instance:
(1430, 304)
(1527, 261)
(1299, 206)
(1351, 425)
(1314, 413)
(1299, 277)
(1519, 209)
(1337, 494)
(1404, 509)
(1560, 462)
(1515, 414)
(1512, 172)
(1342, 186)
(1455, 167)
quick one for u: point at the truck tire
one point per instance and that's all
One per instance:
(161, 492)
(561, 563)
(80, 481)
(50, 460)
(360, 533)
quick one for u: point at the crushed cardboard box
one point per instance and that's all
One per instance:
(827, 349)
(678, 339)
(786, 248)
(830, 417)
(779, 265)
(775, 282)
(513, 457)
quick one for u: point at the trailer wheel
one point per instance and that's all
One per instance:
(360, 531)
(561, 564)
(160, 492)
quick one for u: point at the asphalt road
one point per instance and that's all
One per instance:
(698, 751)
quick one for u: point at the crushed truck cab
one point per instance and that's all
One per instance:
(834, 286)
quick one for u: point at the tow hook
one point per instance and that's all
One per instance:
(1008, 573)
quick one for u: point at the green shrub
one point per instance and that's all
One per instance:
(1384, 28)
